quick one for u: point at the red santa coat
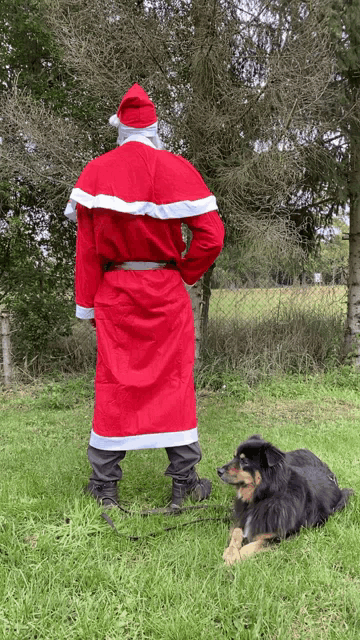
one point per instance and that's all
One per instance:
(130, 206)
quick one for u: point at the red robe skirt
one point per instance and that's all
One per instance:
(144, 388)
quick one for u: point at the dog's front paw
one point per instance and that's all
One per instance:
(237, 537)
(246, 551)
(231, 555)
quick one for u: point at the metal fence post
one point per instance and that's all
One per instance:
(195, 296)
(6, 347)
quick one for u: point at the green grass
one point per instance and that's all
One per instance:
(249, 304)
(65, 574)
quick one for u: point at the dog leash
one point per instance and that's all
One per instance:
(166, 511)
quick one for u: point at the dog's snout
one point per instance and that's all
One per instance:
(220, 471)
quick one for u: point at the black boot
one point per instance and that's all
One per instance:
(105, 493)
(197, 488)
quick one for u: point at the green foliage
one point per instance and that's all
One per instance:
(65, 394)
(345, 377)
(38, 321)
(223, 380)
(24, 54)
(345, 30)
(31, 60)
(332, 256)
(35, 274)
(37, 246)
(260, 260)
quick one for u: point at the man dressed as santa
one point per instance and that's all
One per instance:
(129, 205)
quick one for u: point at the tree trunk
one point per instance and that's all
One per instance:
(206, 293)
(352, 333)
(202, 14)
(200, 299)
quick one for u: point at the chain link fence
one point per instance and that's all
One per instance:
(257, 329)
(251, 329)
(249, 304)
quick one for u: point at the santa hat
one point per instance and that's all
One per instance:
(136, 112)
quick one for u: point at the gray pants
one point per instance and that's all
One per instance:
(105, 464)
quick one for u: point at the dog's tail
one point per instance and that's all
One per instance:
(345, 495)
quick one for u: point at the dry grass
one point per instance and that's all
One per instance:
(253, 332)
(297, 341)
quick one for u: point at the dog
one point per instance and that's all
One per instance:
(277, 494)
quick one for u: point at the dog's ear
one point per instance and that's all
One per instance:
(272, 455)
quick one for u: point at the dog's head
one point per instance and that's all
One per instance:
(252, 460)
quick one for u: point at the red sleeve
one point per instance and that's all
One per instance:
(206, 244)
(88, 273)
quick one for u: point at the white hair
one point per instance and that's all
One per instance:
(125, 132)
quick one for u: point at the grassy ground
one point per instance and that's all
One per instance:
(65, 574)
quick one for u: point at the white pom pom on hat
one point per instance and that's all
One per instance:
(114, 121)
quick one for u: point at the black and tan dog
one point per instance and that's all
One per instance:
(277, 494)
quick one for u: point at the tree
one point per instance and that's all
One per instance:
(339, 146)
(332, 255)
(346, 31)
(240, 91)
(37, 247)
(332, 161)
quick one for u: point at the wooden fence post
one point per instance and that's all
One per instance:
(6, 347)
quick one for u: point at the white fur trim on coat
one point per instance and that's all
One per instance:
(183, 209)
(144, 441)
(84, 313)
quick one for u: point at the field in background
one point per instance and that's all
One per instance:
(249, 304)
(253, 333)
(258, 333)
(66, 575)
